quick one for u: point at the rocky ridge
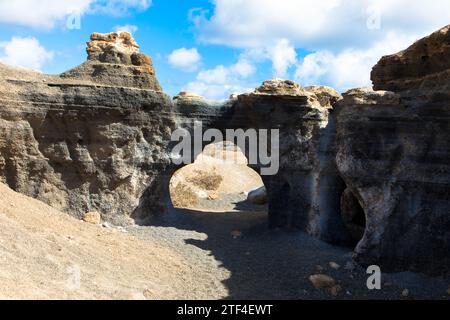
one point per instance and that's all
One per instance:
(367, 168)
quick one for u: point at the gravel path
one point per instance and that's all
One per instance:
(256, 263)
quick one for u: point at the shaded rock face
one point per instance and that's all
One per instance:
(305, 193)
(393, 154)
(92, 139)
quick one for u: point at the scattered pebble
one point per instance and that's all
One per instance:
(92, 217)
(322, 281)
(213, 196)
(335, 290)
(334, 265)
(236, 234)
(148, 294)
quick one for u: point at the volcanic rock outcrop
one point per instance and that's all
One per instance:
(393, 154)
(91, 139)
(370, 168)
(306, 190)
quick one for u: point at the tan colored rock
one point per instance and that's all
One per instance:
(184, 95)
(335, 290)
(366, 96)
(122, 41)
(213, 196)
(280, 87)
(92, 217)
(287, 88)
(327, 96)
(424, 66)
(322, 281)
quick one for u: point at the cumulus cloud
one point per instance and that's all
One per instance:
(348, 68)
(314, 25)
(128, 28)
(342, 39)
(283, 56)
(46, 14)
(185, 59)
(219, 82)
(24, 52)
(119, 7)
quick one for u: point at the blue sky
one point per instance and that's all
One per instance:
(215, 48)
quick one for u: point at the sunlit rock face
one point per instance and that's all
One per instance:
(114, 60)
(422, 68)
(393, 154)
(91, 139)
(369, 168)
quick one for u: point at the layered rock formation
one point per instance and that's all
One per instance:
(91, 139)
(393, 154)
(424, 66)
(305, 192)
(371, 167)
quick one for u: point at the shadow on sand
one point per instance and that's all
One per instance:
(264, 264)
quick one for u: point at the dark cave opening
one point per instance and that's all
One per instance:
(353, 216)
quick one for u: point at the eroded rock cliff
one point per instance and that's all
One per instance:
(371, 167)
(91, 139)
(393, 154)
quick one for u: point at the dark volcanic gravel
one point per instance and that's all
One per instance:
(270, 264)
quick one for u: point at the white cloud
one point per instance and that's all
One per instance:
(128, 28)
(185, 59)
(315, 25)
(348, 68)
(345, 38)
(24, 52)
(219, 82)
(283, 56)
(119, 7)
(46, 14)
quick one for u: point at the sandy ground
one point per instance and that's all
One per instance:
(237, 179)
(183, 255)
(42, 252)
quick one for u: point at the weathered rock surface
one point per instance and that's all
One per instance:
(114, 60)
(371, 164)
(393, 154)
(425, 65)
(305, 193)
(92, 139)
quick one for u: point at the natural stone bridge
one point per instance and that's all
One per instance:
(371, 167)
